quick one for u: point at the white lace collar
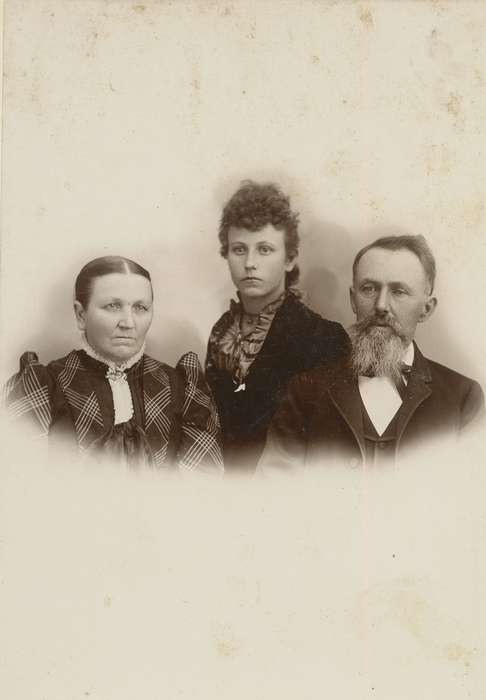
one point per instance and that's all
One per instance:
(115, 370)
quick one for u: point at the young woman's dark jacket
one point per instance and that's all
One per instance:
(298, 340)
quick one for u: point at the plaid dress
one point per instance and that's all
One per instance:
(175, 422)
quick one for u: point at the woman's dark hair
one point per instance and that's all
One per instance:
(100, 267)
(253, 206)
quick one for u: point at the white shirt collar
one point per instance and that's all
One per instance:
(408, 354)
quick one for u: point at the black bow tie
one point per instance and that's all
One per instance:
(405, 371)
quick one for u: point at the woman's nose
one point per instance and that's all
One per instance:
(126, 319)
(250, 260)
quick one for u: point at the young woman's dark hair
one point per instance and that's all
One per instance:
(253, 206)
(99, 267)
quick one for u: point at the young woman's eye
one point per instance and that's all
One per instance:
(265, 249)
(238, 250)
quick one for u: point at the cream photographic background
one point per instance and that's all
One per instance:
(126, 125)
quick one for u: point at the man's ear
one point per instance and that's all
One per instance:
(351, 299)
(80, 315)
(429, 308)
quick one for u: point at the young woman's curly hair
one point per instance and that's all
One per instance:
(253, 206)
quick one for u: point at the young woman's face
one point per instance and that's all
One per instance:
(258, 262)
(118, 315)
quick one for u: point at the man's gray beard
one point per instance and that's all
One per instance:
(377, 351)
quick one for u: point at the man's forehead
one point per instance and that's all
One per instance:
(386, 265)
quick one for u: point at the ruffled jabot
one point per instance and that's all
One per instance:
(116, 374)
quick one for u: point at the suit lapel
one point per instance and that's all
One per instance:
(345, 396)
(417, 391)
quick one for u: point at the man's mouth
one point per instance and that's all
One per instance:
(251, 279)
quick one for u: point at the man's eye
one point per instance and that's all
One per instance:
(368, 288)
(112, 306)
(399, 292)
(141, 307)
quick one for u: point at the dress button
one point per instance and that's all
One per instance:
(354, 463)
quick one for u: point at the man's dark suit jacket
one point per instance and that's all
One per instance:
(321, 417)
(297, 340)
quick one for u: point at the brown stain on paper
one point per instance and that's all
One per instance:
(401, 603)
(437, 159)
(366, 17)
(226, 643)
(453, 106)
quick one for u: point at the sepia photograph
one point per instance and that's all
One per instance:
(243, 256)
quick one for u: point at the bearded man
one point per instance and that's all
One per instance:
(386, 398)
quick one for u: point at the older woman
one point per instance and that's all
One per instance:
(269, 335)
(110, 398)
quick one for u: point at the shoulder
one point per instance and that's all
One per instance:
(315, 339)
(72, 359)
(446, 375)
(29, 364)
(188, 366)
(454, 381)
(221, 325)
(297, 312)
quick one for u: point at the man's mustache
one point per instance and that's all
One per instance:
(374, 321)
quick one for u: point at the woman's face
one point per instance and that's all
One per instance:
(118, 315)
(258, 262)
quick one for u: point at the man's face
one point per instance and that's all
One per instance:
(390, 287)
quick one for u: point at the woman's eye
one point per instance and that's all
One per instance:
(141, 307)
(265, 249)
(238, 250)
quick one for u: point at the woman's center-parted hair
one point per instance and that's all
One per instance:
(253, 206)
(99, 267)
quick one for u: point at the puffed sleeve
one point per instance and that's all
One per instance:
(26, 396)
(200, 447)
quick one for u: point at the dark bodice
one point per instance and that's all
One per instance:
(298, 339)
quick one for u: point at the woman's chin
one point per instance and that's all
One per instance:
(121, 354)
(251, 292)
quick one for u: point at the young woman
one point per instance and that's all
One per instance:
(110, 398)
(269, 334)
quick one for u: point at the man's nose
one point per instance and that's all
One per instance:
(382, 301)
